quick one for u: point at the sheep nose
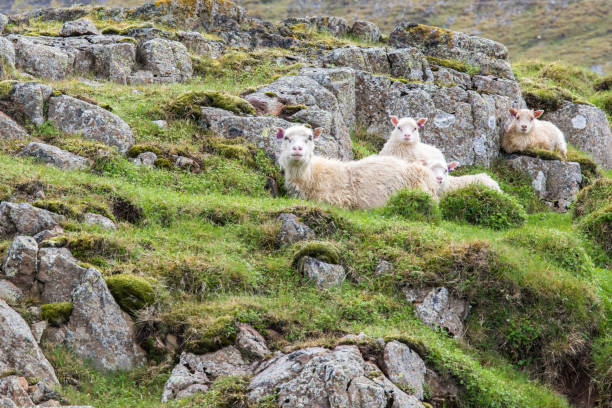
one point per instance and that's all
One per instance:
(524, 126)
(439, 178)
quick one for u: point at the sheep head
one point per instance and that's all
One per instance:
(407, 129)
(524, 119)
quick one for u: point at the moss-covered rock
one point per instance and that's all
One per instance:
(6, 88)
(237, 148)
(131, 292)
(188, 105)
(413, 205)
(479, 205)
(289, 110)
(163, 163)
(58, 207)
(322, 250)
(538, 95)
(598, 227)
(589, 169)
(209, 335)
(138, 149)
(593, 197)
(454, 64)
(56, 313)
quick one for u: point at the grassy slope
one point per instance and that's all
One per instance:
(539, 293)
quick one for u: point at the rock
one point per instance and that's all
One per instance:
(490, 56)
(25, 219)
(404, 367)
(556, 182)
(55, 156)
(48, 234)
(9, 292)
(323, 274)
(3, 21)
(73, 115)
(98, 329)
(162, 124)
(113, 61)
(145, 159)
(293, 230)
(9, 129)
(587, 128)
(336, 26)
(99, 220)
(60, 274)
(187, 164)
(82, 26)
(443, 391)
(42, 60)
(38, 329)
(166, 58)
(265, 104)
(7, 55)
(19, 349)
(29, 98)
(20, 265)
(384, 268)
(250, 342)
(436, 307)
(16, 389)
(366, 31)
(341, 83)
(200, 45)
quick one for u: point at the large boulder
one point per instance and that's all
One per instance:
(340, 82)
(438, 308)
(404, 367)
(42, 60)
(82, 26)
(166, 59)
(556, 182)
(25, 219)
(92, 122)
(366, 31)
(20, 264)
(9, 129)
(29, 98)
(59, 273)
(587, 128)
(19, 350)
(55, 156)
(114, 61)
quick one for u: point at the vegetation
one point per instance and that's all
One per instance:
(131, 292)
(56, 313)
(414, 205)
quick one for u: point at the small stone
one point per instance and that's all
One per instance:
(384, 268)
(146, 159)
(56, 231)
(365, 30)
(436, 307)
(186, 164)
(38, 329)
(20, 265)
(293, 230)
(55, 156)
(99, 220)
(9, 292)
(251, 342)
(323, 274)
(162, 124)
(82, 26)
(29, 98)
(9, 129)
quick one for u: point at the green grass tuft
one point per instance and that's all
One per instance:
(188, 105)
(413, 205)
(131, 292)
(592, 197)
(598, 227)
(323, 251)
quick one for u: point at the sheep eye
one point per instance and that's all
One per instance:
(287, 139)
(531, 118)
(518, 118)
(310, 138)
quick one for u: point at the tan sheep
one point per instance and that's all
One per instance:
(527, 131)
(405, 142)
(362, 184)
(448, 183)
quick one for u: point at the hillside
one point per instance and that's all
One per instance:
(152, 256)
(576, 32)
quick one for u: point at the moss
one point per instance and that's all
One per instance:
(603, 84)
(111, 30)
(322, 250)
(56, 313)
(131, 292)
(550, 98)
(128, 40)
(6, 88)
(592, 197)
(163, 163)
(413, 205)
(482, 206)
(455, 64)
(604, 101)
(207, 336)
(92, 247)
(55, 242)
(188, 105)
(138, 149)
(589, 169)
(598, 227)
(58, 207)
(271, 94)
(289, 110)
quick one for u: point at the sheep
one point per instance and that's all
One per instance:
(405, 142)
(527, 131)
(448, 183)
(363, 184)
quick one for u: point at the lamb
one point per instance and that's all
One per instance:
(448, 183)
(362, 184)
(527, 131)
(405, 142)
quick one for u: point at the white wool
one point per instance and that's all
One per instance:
(405, 142)
(362, 184)
(448, 183)
(526, 131)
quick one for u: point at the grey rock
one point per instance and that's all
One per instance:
(15, 389)
(251, 342)
(341, 83)
(442, 389)
(140, 77)
(186, 163)
(404, 367)
(73, 115)
(293, 230)
(113, 61)
(166, 58)
(9, 292)
(48, 234)
(98, 329)
(82, 26)
(29, 98)
(436, 307)
(162, 124)
(25, 219)
(42, 60)
(366, 31)
(9, 129)
(587, 128)
(336, 26)
(384, 268)
(145, 159)
(7, 54)
(6, 402)
(323, 274)
(59, 273)
(556, 182)
(200, 45)
(103, 222)
(20, 265)
(3, 21)
(55, 156)
(38, 329)
(19, 349)
(448, 76)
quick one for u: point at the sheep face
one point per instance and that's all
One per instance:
(407, 129)
(440, 170)
(297, 145)
(524, 119)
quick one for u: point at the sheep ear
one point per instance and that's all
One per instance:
(280, 133)
(421, 122)
(394, 119)
(538, 113)
(513, 112)
(317, 132)
(452, 165)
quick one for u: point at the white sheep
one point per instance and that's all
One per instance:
(362, 184)
(448, 183)
(527, 131)
(405, 142)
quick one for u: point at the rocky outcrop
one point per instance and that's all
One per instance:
(556, 182)
(9, 129)
(25, 219)
(323, 274)
(59, 273)
(293, 230)
(9, 292)
(336, 26)
(42, 60)
(438, 308)
(587, 128)
(166, 60)
(55, 156)
(75, 116)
